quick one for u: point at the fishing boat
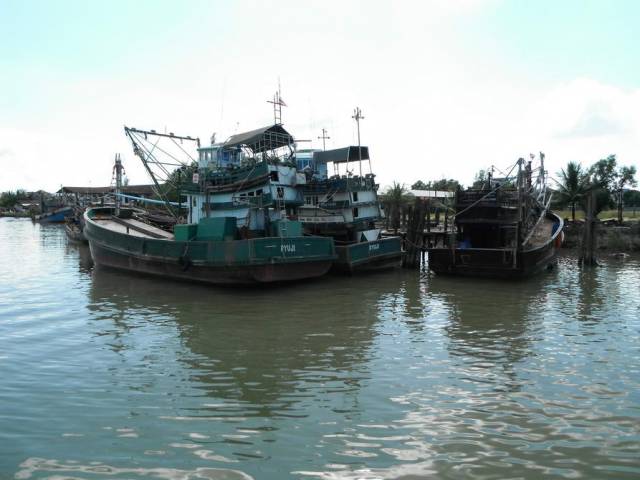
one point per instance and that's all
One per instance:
(59, 215)
(503, 228)
(345, 207)
(241, 200)
(74, 231)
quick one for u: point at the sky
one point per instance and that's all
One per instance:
(446, 87)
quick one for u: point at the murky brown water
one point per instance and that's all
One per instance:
(398, 375)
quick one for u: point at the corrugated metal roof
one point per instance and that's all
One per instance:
(341, 155)
(261, 139)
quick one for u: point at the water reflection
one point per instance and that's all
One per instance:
(492, 323)
(264, 350)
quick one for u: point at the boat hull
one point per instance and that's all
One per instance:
(74, 233)
(496, 263)
(57, 216)
(233, 262)
(371, 256)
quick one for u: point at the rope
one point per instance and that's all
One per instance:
(485, 196)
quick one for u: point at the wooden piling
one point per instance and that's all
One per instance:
(415, 234)
(588, 246)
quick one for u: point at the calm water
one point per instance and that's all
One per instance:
(107, 375)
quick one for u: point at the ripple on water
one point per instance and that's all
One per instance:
(105, 374)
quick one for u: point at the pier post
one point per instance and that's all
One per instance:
(587, 248)
(415, 234)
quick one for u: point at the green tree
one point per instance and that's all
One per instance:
(625, 177)
(573, 185)
(9, 199)
(600, 179)
(443, 184)
(395, 199)
(449, 185)
(480, 177)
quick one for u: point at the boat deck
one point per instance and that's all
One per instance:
(131, 226)
(541, 234)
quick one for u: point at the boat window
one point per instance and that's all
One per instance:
(280, 191)
(355, 213)
(274, 176)
(251, 194)
(354, 196)
(258, 192)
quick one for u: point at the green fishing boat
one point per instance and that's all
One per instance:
(344, 205)
(240, 216)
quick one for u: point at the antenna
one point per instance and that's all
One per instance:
(278, 103)
(357, 116)
(324, 137)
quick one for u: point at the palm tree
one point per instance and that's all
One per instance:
(395, 197)
(573, 186)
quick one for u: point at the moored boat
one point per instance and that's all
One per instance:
(241, 204)
(74, 232)
(503, 229)
(346, 208)
(58, 215)
(206, 252)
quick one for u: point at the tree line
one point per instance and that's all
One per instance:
(608, 182)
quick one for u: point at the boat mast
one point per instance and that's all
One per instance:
(118, 171)
(357, 116)
(147, 157)
(324, 137)
(516, 247)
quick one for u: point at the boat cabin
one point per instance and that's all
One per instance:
(344, 204)
(251, 177)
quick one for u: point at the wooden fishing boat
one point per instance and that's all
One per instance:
(209, 252)
(240, 204)
(74, 232)
(503, 229)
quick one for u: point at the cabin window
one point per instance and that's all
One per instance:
(355, 213)
(274, 176)
(258, 192)
(280, 191)
(194, 201)
(251, 194)
(354, 196)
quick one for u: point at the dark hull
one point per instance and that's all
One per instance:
(74, 233)
(495, 263)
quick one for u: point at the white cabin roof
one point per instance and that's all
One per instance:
(432, 194)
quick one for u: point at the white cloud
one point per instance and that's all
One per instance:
(431, 110)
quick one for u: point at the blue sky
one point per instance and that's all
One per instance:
(446, 87)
